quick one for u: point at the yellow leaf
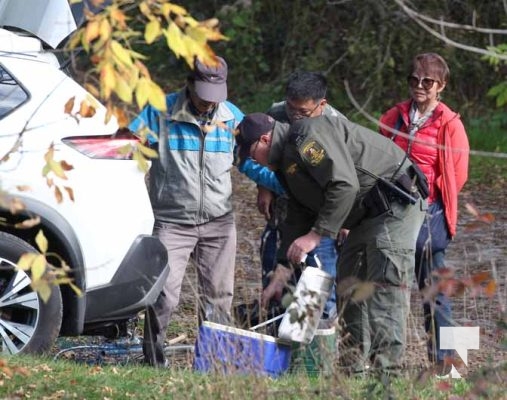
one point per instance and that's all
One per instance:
(190, 21)
(141, 161)
(92, 89)
(156, 96)
(145, 9)
(92, 31)
(75, 39)
(142, 90)
(146, 151)
(50, 153)
(118, 16)
(43, 288)
(125, 150)
(105, 30)
(27, 223)
(38, 267)
(194, 49)
(123, 90)
(42, 242)
(142, 69)
(197, 33)
(174, 40)
(214, 35)
(25, 261)
(107, 79)
(168, 8)
(76, 289)
(152, 31)
(109, 113)
(121, 53)
(130, 76)
(86, 110)
(57, 169)
(211, 23)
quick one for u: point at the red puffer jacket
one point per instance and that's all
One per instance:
(441, 150)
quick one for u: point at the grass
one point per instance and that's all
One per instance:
(488, 135)
(36, 378)
(44, 378)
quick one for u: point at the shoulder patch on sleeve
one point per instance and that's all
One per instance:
(313, 152)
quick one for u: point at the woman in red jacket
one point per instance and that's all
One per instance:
(434, 137)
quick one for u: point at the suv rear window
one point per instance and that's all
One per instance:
(12, 95)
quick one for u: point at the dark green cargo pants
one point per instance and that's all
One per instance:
(379, 251)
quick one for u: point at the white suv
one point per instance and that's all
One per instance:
(104, 235)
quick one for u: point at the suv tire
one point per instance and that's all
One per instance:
(27, 323)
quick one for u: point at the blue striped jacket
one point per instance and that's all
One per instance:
(190, 182)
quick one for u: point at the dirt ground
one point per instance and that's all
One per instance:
(478, 246)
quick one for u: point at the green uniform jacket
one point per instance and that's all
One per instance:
(321, 163)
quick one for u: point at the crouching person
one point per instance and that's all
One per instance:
(341, 175)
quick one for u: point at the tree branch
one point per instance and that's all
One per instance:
(417, 18)
(443, 23)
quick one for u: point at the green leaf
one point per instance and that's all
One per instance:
(497, 89)
(501, 99)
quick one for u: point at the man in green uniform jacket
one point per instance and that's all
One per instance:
(341, 175)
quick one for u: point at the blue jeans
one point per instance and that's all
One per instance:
(326, 251)
(429, 256)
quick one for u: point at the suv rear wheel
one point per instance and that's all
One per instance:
(27, 323)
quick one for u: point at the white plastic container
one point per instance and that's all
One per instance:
(311, 293)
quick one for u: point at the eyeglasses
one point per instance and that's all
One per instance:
(426, 83)
(252, 153)
(299, 111)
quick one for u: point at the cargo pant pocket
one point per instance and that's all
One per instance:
(398, 263)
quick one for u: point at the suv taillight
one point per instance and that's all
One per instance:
(116, 147)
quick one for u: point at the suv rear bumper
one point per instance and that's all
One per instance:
(136, 284)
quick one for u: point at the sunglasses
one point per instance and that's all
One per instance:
(426, 83)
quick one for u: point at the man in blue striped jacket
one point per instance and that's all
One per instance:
(190, 190)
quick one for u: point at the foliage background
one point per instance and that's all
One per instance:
(368, 43)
